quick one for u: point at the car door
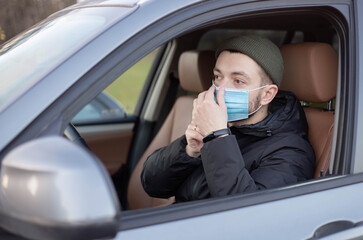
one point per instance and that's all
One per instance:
(329, 206)
(315, 208)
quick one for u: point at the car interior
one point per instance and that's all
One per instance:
(183, 67)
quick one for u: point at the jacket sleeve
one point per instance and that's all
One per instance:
(167, 168)
(226, 173)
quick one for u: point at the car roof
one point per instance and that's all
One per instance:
(97, 3)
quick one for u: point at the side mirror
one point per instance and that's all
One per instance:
(54, 189)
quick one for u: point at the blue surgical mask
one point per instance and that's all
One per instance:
(237, 101)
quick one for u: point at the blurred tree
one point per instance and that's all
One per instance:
(18, 15)
(2, 35)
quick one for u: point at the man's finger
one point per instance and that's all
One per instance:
(193, 135)
(201, 97)
(197, 136)
(195, 103)
(220, 97)
(210, 93)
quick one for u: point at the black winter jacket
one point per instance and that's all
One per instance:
(272, 153)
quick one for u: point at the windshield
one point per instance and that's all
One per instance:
(33, 54)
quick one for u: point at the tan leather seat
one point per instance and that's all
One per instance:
(311, 72)
(195, 74)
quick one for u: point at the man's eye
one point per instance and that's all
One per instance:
(216, 77)
(237, 81)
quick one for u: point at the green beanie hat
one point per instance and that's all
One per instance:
(260, 49)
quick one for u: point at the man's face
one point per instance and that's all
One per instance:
(237, 70)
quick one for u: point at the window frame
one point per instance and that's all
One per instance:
(146, 217)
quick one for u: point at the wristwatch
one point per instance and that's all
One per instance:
(216, 134)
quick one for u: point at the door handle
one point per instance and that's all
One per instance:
(339, 230)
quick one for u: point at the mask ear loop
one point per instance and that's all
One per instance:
(255, 110)
(233, 89)
(259, 88)
(249, 114)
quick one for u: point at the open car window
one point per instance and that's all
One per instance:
(284, 30)
(208, 39)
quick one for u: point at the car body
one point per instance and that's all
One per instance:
(53, 70)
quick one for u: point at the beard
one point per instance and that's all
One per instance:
(254, 105)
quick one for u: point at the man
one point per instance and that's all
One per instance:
(246, 137)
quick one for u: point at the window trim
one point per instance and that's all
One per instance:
(150, 112)
(135, 219)
(146, 217)
(160, 33)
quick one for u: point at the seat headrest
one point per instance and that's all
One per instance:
(196, 70)
(311, 71)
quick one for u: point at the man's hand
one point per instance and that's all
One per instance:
(194, 139)
(207, 115)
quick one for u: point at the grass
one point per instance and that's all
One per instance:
(126, 88)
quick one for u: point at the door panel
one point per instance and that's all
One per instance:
(296, 217)
(110, 143)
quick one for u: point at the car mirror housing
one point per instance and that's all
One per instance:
(54, 189)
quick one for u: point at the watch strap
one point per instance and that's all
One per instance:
(216, 134)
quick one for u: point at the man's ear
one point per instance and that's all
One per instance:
(269, 94)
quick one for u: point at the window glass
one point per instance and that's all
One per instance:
(31, 55)
(126, 89)
(102, 107)
(120, 97)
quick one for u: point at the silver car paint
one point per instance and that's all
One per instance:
(358, 151)
(290, 218)
(310, 211)
(52, 181)
(36, 100)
